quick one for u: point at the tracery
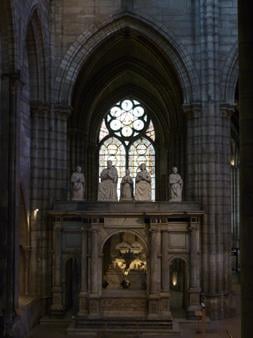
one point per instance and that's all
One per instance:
(127, 138)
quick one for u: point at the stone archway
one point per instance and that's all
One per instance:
(114, 69)
(87, 43)
(124, 262)
(72, 277)
(178, 287)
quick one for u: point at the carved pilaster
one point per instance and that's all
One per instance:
(57, 307)
(27, 251)
(83, 302)
(165, 264)
(155, 272)
(94, 299)
(194, 284)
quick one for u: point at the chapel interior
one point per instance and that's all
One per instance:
(126, 168)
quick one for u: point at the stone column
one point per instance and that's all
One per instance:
(27, 250)
(58, 157)
(165, 296)
(94, 261)
(49, 182)
(83, 302)
(210, 151)
(155, 271)
(246, 161)
(208, 181)
(194, 283)
(40, 114)
(165, 262)
(9, 198)
(94, 306)
(192, 114)
(57, 307)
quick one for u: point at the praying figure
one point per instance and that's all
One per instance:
(143, 184)
(107, 189)
(176, 186)
(127, 187)
(77, 185)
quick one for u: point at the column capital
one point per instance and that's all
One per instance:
(155, 228)
(62, 110)
(14, 78)
(39, 108)
(192, 227)
(192, 110)
(227, 109)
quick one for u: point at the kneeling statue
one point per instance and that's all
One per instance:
(107, 189)
(143, 184)
(126, 187)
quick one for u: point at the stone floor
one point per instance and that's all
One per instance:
(229, 328)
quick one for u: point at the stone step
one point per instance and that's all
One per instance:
(124, 328)
(56, 322)
(123, 323)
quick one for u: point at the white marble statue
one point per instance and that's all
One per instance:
(127, 187)
(77, 185)
(176, 186)
(143, 184)
(107, 189)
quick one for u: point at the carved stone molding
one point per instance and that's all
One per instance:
(192, 111)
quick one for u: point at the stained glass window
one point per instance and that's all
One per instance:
(112, 149)
(127, 138)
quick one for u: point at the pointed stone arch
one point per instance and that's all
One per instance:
(35, 49)
(231, 75)
(86, 44)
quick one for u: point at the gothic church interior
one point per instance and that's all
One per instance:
(150, 87)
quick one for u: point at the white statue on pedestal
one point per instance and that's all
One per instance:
(126, 187)
(77, 185)
(107, 189)
(176, 186)
(143, 184)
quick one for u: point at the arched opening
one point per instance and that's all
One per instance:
(72, 284)
(124, 263)
(178, 287)
(35, 60)
(117, 70)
